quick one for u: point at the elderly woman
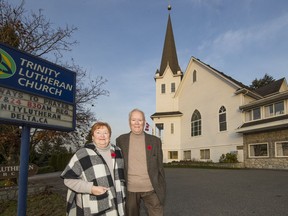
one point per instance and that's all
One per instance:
(95, 177)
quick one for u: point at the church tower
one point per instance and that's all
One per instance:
(169, 76)
(167, 80)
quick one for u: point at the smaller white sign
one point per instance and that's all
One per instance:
(21, 107)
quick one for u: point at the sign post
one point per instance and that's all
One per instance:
(34, 93)
(23, 177)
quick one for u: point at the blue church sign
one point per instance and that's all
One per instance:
(35, 91)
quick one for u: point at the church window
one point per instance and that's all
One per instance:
(172, 128)
(194, 76)
(163, 88)
(222, 119)
(196, 124)
(205, 154)
(187, 155)
(172, 154)
(172, 87)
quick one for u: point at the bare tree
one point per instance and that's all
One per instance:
(33, 33)
(36, 35)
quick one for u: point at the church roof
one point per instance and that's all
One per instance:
(225, 75)
(271, 88)
(169, 55)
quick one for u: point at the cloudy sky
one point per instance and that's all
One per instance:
(122, 40)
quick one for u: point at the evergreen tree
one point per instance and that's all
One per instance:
(258, 83)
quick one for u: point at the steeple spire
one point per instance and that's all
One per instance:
(169, 55)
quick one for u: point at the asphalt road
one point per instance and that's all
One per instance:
(214, 192)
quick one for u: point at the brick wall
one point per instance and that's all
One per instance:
(270, 137)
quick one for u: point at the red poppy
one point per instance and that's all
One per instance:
(149, 147)
(113, 154)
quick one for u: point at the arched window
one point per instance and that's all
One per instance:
(196, 124)
(222, 119)
(194, 76)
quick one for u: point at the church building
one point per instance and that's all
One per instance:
(202, 113)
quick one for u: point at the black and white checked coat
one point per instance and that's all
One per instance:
(87, 164)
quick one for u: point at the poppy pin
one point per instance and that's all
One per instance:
(113, 154)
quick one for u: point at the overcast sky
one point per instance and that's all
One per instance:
(122, 40)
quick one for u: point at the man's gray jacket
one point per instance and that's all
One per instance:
(154, 156)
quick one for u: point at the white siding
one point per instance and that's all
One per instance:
(207, 95)
(166, 100)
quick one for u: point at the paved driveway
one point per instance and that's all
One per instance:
(215, 192)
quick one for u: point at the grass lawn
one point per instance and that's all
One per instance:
(43, 204)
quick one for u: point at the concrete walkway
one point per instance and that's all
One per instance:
(214, 192)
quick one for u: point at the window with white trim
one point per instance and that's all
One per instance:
(173, 87)
(172, 154)
(253, 114)
(205, 154)
(222, 119)
(163, 90)
(258, 150)
(274, 109)
(187, 155)
(194, 76)
(196, 124)
(281, 149)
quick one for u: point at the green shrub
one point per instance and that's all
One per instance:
(59, 161)
(45, 169)
(228, 158)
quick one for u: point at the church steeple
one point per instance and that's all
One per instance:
(169, 55)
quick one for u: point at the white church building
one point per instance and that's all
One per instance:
(203, 113)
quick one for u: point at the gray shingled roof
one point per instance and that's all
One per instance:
(271, 88)
(226, 76)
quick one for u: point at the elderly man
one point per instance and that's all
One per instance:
(144, 173)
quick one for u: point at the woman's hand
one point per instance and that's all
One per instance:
(98, 190)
